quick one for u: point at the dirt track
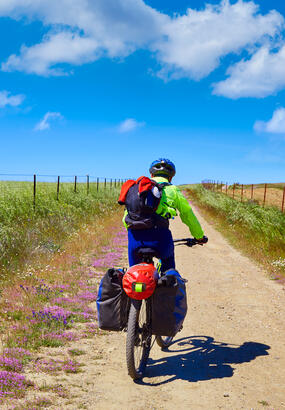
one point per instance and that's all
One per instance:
(229, 355)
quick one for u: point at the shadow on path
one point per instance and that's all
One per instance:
(201, 358)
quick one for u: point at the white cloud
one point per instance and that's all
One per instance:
(260, 76)
(191, 45)
(114, 23)
(64, 47)
(196, 42)
(12, 100)
(130, 124)
(85, 30)
(276, 125)
(44, 124)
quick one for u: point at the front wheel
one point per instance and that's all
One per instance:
(164, 341)
(138, 338)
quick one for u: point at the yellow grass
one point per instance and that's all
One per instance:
(274, 196)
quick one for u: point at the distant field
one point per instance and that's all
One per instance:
(274, 193)
(49, 188)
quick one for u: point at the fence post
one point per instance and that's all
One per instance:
(57, 189)
(241, 197)
(234, 187)
(221, 186)
(105, 183)
(75, 183)
(265, 190)
(97, 184)
(283, 200)
(226, 188)
(87, 176)
(111, 184)
(35, 191)
(251, 196)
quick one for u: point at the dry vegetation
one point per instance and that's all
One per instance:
(274, 195)
(258, 231)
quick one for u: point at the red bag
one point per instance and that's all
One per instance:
(139, 282)
(144, 184)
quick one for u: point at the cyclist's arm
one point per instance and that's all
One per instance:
(187, 215)
(124, 217)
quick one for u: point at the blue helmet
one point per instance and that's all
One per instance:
(162, 167)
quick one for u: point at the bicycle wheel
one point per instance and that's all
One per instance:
(138, 338)
(164, 341)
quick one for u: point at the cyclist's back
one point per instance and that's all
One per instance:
(159, 236)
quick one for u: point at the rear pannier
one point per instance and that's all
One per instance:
(112, 302)
(169, 304)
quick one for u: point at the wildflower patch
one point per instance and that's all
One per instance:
(43, 312)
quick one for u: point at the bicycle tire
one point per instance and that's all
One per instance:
(164, 341)
(138, 338)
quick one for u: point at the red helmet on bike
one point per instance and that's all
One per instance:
(140, 281)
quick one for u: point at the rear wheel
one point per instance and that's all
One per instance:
(138, 338)
(164, 341)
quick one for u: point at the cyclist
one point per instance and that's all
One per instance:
(159, 236)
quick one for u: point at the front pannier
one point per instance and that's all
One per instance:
(112, 302)
(169, 304)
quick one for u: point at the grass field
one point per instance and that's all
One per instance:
(28, 231)
(46, 286)
(259, 231)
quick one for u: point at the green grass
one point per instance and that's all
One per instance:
(28, 231)
(258, 230)
(76, 352)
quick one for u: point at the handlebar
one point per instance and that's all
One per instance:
(190, 241)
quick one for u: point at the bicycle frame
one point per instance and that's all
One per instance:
(140, 334)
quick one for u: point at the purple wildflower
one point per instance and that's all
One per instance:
(10, 363)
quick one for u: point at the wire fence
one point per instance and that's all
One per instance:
(35, 185)
(264, 194)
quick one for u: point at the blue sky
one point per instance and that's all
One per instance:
(105, 86)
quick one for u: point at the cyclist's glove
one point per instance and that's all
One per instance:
(201, 241)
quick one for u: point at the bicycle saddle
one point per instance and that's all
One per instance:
(147, 252)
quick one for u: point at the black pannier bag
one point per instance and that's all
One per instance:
(169, 304)
(112, 302)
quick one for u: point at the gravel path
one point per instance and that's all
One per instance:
(229, 355)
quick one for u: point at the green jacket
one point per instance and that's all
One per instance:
(172, 200)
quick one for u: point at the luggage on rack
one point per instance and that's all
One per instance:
(169, 304)
(112, 302)
(140, 280)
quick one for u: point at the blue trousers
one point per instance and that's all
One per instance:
(159, 239)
